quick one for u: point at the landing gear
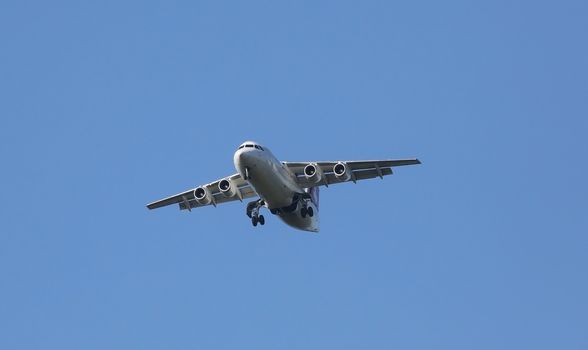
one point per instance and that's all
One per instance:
(253, 212)
(258, 219)
(306, 210)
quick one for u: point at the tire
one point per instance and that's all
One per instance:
(261, 220)
(303, 212)
(310, 212)
(254, 220)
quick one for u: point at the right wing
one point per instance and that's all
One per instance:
(187, 200)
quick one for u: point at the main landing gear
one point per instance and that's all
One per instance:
(258, 219)
(306, 210)
(253, 212)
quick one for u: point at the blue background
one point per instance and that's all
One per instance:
(106, 106)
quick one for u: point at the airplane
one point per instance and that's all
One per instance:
(290, 190)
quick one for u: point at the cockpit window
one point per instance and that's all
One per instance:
(250, 145)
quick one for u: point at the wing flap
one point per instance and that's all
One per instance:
(370, 174)
(369, 164)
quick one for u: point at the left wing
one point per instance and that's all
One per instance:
(354, 170)
(187, 200)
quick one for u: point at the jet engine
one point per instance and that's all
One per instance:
(227, 187)
(342, 171)
(313, 173)
(203, 195)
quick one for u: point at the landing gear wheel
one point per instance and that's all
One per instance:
(310, 211)
(261, 220)
(303, 212)
(254, 220)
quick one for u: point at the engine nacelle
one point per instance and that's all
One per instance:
(313, 173)
(227, 187)
(203, 195)
(342, 171)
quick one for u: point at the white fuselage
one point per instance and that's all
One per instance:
(276, 185)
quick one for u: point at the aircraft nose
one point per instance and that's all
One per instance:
(240, 157)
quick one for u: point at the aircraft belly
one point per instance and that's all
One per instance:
(275, 185)
(294, 219)
(270, 183)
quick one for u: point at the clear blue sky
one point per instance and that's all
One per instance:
(106, 106)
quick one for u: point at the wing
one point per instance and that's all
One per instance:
(186, 199)
(355, 170)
